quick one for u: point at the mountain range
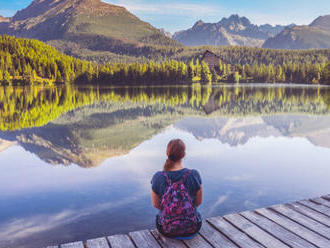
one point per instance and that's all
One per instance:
(238, 131)
(90, 135)
(92, 29)
(315, 35)
(234, 31)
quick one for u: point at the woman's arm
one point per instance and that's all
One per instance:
(155, 200)
(199, 197)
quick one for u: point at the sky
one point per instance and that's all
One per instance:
(174, 15)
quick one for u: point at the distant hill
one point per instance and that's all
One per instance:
(4, 19)
(84, 24)
(316, 35)
(234, 30)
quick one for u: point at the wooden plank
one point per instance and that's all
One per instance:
(327, 197)
(235, 235)
(197, 242)
(214, 237)
(119, 241)
(78, 244)
(278, 231)
(296, 228)
(144, 239)
(254, 231)
(303, 220)
(167, 242)
(321, 201)
(320, 208)
(310, 213)
(97, 243)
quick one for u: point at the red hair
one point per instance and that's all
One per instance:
(176, 150)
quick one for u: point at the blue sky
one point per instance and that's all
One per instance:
(174, 15)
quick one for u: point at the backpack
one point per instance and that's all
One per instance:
(178, 216)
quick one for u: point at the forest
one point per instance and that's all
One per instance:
(25, 61)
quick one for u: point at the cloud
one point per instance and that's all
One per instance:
(23, 227)
(220, 200)
(240, 178)
(6, 12)
(183, 9)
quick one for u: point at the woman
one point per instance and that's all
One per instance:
(177, 192)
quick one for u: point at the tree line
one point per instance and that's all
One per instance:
(24, 61)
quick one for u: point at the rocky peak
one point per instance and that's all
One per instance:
(322, 22)
(235, 23)
(198, 23)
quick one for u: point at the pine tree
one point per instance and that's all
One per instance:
(191, 71)
(198, 69)
(206, 76)
(326, 75)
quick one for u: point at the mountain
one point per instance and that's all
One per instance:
(4, 19)
(316, 35)
(84, 24)
(234, 30)
(166, 33)
(89, 135)
(274, 30)
(3, 23)
(239, 131)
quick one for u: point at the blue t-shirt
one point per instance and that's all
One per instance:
(193, 181)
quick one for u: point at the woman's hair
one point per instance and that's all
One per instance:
(176, 150)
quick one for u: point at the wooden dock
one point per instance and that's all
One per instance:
(302, 224)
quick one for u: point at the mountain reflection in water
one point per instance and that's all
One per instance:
(255, 146)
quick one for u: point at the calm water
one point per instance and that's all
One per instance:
(76, 163)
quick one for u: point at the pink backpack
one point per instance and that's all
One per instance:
(178, 216)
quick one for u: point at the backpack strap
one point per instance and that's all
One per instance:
(168, 180)
(185, 176)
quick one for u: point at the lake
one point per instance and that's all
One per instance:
(76, 162)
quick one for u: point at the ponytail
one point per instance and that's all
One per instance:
(169, 164)
(176, 150)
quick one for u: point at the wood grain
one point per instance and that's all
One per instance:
(118, 241)
(296, 228)
(97, 243)
(303, 220)
(73, 245)
(311, 213)
(238, 237)
(144, 239)
(214, 237)
(197, 242)
(278, 231)
(255, 232)
(320, 208)
(167, 242)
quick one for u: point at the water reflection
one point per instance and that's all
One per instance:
(254, 148)
(26, 107)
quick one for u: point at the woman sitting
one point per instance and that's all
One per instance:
(177, 192)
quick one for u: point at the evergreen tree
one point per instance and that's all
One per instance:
(326, 75)
(206, 75)
(191, 71)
